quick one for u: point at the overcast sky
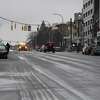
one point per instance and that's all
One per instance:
(34, 11)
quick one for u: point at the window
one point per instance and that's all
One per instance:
(90, 28)
(86, 14)
(86, 23)
(86, 33)
(75, 34)
(91, 21)
(91, 1)
(84, 6)
(91, 11)
(88, 3)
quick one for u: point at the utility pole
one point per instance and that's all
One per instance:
(70, 32)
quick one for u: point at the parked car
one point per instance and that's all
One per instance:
(3, 51)
(95, 50)
(91, 50)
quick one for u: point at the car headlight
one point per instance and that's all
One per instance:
(20, 47)
(25, 47)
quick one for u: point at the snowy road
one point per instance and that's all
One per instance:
(46, 76)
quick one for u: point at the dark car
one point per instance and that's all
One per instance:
(22, 47)
(49, 47)
(3, 51)
(91, 50)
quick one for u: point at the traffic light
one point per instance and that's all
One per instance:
(29, 27)
(25, 27)
(11, 26)
(15, 25)
(22, 28)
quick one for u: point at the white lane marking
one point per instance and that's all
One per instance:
(77, 71)
(22, 58)
(15, 73)
(57, 79)
(25, 59)
(55, 98)
(67, 58)
(24, 93)
(62, 83)
(8, 84)
(8, 81)
(75, 63)
(69, 61)
(60, 65)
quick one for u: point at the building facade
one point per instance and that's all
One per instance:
(78, 23)
(99, 15)
(96, 17)
(91, 19)
(88, 13)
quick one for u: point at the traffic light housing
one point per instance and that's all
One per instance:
(29, 27)
(25, 27)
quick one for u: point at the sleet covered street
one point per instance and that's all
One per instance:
(49, 76)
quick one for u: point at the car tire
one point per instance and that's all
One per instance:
(45, 51)
(53, 51)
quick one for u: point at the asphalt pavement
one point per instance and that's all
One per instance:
(49, 76)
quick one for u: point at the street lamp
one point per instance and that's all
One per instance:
(70, 32)
(62, 21)
(78, 22)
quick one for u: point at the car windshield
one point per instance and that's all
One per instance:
(49, 49)
(1, 44)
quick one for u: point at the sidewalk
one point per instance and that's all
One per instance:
(74, 51)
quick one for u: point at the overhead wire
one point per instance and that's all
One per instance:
(9, 20)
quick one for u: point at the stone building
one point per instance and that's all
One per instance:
(88, 13)
(78, 23)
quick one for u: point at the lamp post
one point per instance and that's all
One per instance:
(70, 32)
(62, 21)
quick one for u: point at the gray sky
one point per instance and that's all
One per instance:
(34, 11)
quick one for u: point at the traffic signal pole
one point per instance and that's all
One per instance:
(70, 32)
